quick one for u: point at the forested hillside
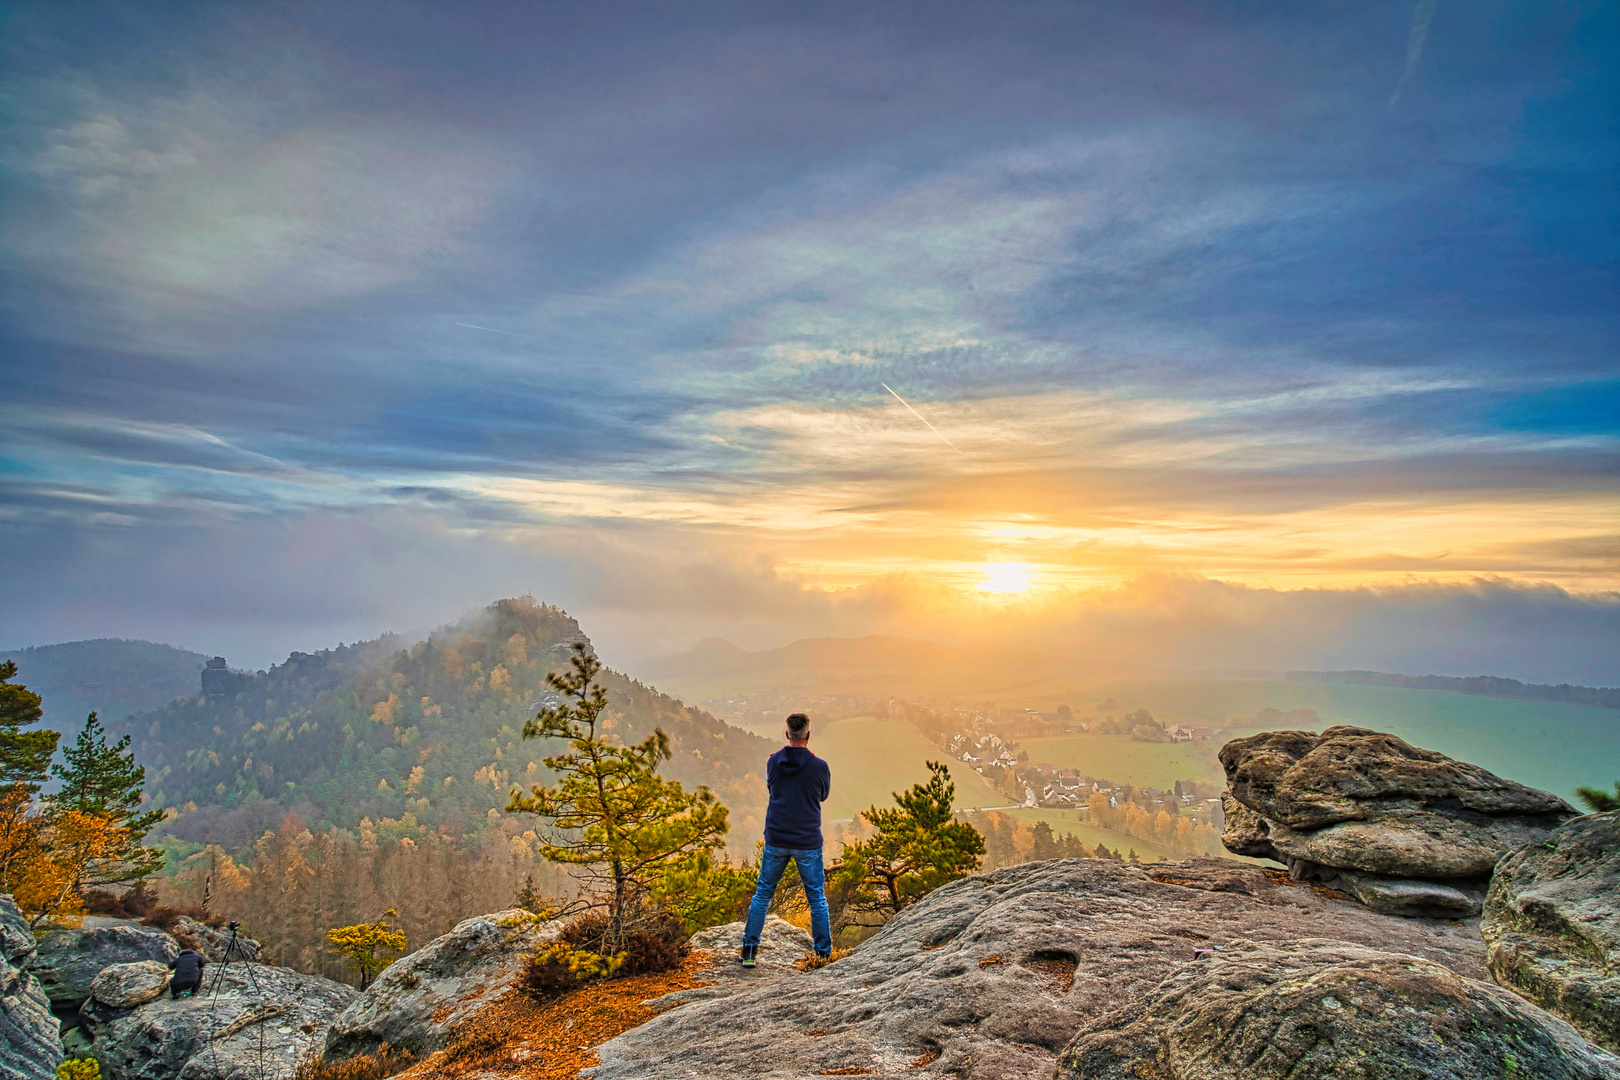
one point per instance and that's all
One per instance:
(112, 676)
(432, 732)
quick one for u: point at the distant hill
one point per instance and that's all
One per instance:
(863, 666)
(389, 729)
(1477, 685)
(112, 676)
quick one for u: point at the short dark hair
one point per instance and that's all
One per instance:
(798, 727)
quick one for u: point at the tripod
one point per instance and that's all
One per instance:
(234, 951)
(255, 1015)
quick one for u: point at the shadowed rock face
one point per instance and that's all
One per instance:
(248, 1022)
(1333, 1012)
(1405, 830)
(420, 998)
(1552, 924)
(30, 1040)
(70, 959)
(992, 976)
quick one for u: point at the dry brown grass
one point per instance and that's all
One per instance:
(987, 961)
(524, 1039)
(384, 1063)
(929, 1056)
(1280, 877)
(810, 961)
(1061, 970)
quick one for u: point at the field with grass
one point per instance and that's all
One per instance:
(1123, 760)
(870, 759)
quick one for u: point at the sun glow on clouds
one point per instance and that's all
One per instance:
(1006, 577)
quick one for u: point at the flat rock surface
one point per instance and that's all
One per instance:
(30, 1038)
(69, 959)
(1330, 1011)
(1552, 924)
(420, 998)
(992, 976)
(248, 1022)
(781, 944)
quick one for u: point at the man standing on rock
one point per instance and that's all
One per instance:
(799, 783)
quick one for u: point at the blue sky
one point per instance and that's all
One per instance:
(318, 320)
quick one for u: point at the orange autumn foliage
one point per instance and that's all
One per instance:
(48, 858)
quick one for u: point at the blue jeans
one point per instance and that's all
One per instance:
(811, 875)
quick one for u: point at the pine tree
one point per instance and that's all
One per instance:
(611, 812)
(25, 756)
(1599, 801)
(104, 781)
(1045, 846)
(918, 847)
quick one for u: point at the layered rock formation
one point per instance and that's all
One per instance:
(994, 975)
(249, 1022)
(419, 999)
(1335, 1012)
(1407, 831)
(30, 1044)
(1552, 924)
(70, 959)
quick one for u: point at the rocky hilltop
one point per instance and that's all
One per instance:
(1084, 968)
(1078, 969)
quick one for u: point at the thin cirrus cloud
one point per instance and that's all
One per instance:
(600, 302)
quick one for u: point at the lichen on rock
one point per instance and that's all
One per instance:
(1332, 1011)
(1552, 924)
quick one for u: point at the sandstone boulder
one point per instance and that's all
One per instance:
(1331, 1011)
(124, 986)
(248, 1022)
(30, 1040)
(70, 959)
(419, 999)
(992, 976)
(1552, 925)
(1407, 831)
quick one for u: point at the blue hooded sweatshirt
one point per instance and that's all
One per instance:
(799, 783)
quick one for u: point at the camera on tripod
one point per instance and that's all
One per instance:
(233, 927)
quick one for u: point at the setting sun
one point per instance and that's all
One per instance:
(1005, 577)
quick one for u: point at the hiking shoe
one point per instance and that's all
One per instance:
(750, 953)
(823, 955)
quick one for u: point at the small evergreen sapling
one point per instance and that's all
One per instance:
(918, 847)
(611, 813)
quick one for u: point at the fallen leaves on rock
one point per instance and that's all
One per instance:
(524, 1039)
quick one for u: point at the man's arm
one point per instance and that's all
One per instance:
(826, 783)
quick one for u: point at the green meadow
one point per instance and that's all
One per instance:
(871, 759)
(1125, 761)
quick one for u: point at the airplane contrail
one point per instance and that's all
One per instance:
(924, 419)
(492, 330)
(1422, 16)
